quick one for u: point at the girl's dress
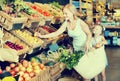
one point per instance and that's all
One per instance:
(98, 40)
(78, 35)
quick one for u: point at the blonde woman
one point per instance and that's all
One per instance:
(76, 28)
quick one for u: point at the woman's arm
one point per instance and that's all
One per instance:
(87, 31)
(53, 34)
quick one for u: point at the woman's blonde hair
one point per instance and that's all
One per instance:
(72, 9)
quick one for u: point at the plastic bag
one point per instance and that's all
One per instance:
(8, 55)
(92, 63)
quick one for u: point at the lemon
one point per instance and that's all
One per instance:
(8, 79)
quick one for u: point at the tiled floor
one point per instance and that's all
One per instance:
(113, 69)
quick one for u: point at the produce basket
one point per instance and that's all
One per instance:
(42, 76)
(92, 63)
(27, 37)
(12, 42)
(33, 20)
(42, 12)
(55, 69)
(10, 23)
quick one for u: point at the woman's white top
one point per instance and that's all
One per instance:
(78, 35)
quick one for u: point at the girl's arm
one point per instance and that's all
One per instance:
(104, 42)
(53, 34)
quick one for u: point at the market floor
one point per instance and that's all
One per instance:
(113, 69)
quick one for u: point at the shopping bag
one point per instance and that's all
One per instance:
(92, 63)
(7, 54)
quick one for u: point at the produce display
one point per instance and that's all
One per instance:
(28, 38)
(42, 12)
(15, 16)
(11, 16)
(43, 29)
(13, 45)
(48, 7)
(10, 41)
(25, 69)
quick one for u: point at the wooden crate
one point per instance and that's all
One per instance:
(43, 76)
(32, 21)
(55, 71)
(9, 22)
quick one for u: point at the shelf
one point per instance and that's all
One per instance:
(111, 27)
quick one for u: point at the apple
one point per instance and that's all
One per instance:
(26, 74)
(1, 71)
(20, 65)
(12, 65)
(27, 78)
(41, 66)
(31, 74)
(17, 69)
(21, 78)
(34, 64)
(25, 63)
(8, 68)
(21, 73)
(23, 69)
(12, 72)
(36, 67)
(29, 69)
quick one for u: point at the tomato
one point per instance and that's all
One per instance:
(34, 7)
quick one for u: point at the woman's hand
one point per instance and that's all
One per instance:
(87, 47)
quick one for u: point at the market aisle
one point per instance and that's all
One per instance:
(113, 70)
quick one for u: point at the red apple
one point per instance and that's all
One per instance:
(17, 69)
(1, 71)
(25, 63)
(12, 72)
(12, 65)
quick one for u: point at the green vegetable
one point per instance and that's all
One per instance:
(71, 60)
(56, 4)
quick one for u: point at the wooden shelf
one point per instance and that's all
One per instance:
(111, 27)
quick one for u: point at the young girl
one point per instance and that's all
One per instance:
(98, 40)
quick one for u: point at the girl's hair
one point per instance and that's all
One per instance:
(72, 9)
(102, 31)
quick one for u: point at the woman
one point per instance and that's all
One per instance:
(77, 29)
